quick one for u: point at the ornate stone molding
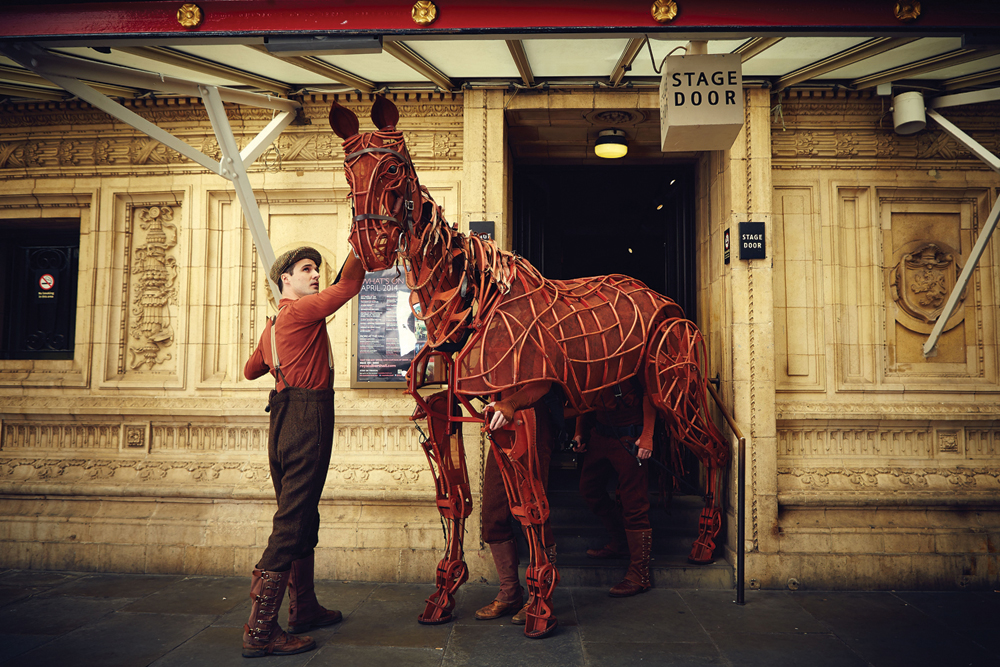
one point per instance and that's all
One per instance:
(137, 470)
(853, 131)
(315, 107)
(831, 441)
(895, 410)
(22, 474)
(889, 478)
(75, 139)
(60, 435)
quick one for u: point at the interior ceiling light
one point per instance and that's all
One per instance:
(611, 144)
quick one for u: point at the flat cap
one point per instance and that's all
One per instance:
(285, 263)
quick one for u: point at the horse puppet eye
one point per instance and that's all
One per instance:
(393, 169)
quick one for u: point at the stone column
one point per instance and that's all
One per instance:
(484, 197)
(745, 189)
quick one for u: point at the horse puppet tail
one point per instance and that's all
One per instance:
(675, 380)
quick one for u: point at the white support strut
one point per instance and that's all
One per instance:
(65, 72)
(984, 235)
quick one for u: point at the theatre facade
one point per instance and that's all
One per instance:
(132, 293)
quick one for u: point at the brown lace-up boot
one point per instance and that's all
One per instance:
(262, 635)
(640, 545)
(511, 595)
(304, 610)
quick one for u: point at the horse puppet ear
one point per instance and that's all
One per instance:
(385, 115)
(343, 121)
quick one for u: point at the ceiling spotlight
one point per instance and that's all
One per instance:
(611, 144)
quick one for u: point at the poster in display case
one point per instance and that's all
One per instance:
(386, 334)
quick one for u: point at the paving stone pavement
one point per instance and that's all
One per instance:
(74, 619)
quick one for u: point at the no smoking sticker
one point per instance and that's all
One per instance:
(47, 282)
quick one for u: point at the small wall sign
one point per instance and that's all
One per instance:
(484, 229)
(725, 246)
(753, 245)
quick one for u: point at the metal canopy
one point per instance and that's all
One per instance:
(68, 72)
(856, 44)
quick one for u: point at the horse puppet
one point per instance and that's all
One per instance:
(500, 332)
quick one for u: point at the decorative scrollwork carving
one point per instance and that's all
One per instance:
(155, 290)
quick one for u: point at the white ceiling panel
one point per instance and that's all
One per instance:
(376, 67)
(793, 53)
(643, 66)
(908, 53)
(147, 65)
(255, 62)
(574, 57)
(980, 65)
(468, 59)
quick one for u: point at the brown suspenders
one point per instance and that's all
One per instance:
(277, 363)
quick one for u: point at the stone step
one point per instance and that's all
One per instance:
(576, 540)
(666, 572)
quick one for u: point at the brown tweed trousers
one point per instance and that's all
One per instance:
(299, 445)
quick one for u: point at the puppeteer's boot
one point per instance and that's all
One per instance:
(640, 545)
(262, 635)
(304, 610)
(511, 595)
(521, 617)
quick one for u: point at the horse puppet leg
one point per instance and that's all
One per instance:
(517, 458)
(675, 382)
(446, 455)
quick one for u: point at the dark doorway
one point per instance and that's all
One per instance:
(576, 221)
(39, 263)
(572, 222)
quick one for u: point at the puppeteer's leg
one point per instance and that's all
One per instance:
(497, 533)
(446, 455)
(518, 461)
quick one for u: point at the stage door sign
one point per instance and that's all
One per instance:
(753, 244)
(701, 102)
(387, 335)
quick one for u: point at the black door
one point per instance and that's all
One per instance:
(573, 222)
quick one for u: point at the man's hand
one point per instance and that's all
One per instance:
(578, 445)
(500, 419)
(644, 446)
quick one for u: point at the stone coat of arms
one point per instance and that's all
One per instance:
(922, 281)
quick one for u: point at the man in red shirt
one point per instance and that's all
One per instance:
(295, 348)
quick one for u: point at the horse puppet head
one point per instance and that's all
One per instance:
(384, 187)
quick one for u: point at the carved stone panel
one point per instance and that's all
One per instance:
(799, 334)
(152, 289)
(926, 237)
(146, 319)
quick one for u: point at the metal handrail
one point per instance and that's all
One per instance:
(741, 471)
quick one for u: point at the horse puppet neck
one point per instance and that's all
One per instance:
(455, 280)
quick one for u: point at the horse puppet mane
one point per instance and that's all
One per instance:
(515, 326)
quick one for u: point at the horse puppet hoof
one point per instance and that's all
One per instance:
(544, 632)
(435, 621)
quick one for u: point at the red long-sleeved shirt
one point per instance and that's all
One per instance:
(301, 338)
